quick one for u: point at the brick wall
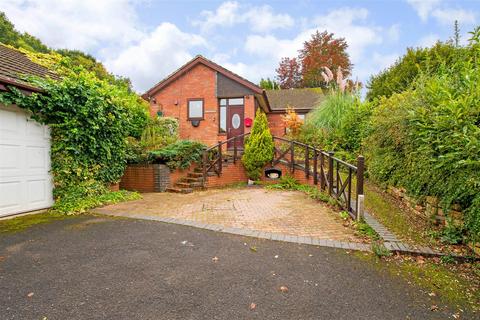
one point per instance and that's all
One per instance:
(147, 178)
(157, 177)
(235, 173)
(199, 82)
(277, 127)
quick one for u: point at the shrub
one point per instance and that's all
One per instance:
(402, 75)
(339, 124)
(180, 154)
(157, 134)
(428, 140)
(258, 147)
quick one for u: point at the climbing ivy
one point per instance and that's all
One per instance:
(90, 120)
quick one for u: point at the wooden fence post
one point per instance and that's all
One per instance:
(204, 167)
(292, 157)
(220, 160)
(322, 171)
(315, 172)
(360, 172)
(234, 149)
(307, 163)
(330, 172)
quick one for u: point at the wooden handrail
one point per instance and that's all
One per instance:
(221, 143)
(329, 180)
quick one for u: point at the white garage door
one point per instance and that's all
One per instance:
(25, 181)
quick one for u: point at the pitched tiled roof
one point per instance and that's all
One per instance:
(201, 59)
(15, 65)
(300, 99)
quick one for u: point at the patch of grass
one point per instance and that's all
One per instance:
(17, 224)
(400, 222)
(365, 230)
(380, 250)
(457, 287)
(81, 204)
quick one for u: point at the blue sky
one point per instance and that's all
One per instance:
(146, 40)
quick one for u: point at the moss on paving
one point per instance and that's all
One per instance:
(24, 222)
(387, 211)
(435, 278)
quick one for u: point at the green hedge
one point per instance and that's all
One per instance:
(428, 140)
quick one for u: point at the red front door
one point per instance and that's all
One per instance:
(235, 127)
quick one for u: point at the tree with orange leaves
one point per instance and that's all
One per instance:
(323, 50)
(292, 121)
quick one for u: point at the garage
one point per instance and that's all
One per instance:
(25, 180)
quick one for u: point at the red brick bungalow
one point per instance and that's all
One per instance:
(214, 104)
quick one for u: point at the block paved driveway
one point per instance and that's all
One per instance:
(113, 268)
(284, 212)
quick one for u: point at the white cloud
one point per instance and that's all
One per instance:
(375, 64)
(393, 33)
(351, 24)
(428, 40)
(154, 57)
(260, 19)
(448, 16)
(424, 7)
(226, 15)
(439, 10)
(84, 25)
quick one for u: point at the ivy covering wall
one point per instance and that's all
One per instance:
(90, 120)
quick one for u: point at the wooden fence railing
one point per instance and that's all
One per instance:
(212, 158)
(333, 175)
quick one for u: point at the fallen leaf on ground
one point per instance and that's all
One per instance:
(215, 259)
(254, 249)
(434, 308)
(252, 306)
(30, 295)
(432, 294)
(420, 260)
(283, 289)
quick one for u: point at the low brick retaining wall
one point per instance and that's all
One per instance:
(149, 177)
(158, 177)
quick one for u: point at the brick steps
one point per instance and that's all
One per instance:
(180, 190)
(193, 180)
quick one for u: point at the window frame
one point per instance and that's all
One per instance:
(188, 109)
(227, 104)
(220, 133)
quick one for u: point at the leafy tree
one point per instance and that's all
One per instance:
(401, 76)
(289, 73)
(269, 84)
(323, 50)
(258, 147)
(10, 36)
(16, 39)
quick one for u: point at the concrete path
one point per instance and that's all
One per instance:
(104, 268)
